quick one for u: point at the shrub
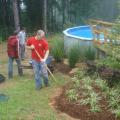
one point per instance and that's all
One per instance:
(73, 55)
(90, 54)
(58, 50)
(109, 62)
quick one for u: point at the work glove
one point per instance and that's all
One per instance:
(43, 60)
(32, 47)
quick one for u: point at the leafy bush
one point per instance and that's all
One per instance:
(73, 55)
(109, 62)
(115, 32)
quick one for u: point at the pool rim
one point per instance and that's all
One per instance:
(73, 36)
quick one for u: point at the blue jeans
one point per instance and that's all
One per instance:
(10, 67)
(22, 51)
(40, 72)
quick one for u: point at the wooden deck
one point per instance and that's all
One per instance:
(100, 27)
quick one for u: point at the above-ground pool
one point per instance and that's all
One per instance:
(81, 35)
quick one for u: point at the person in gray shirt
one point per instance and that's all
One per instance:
(22, 38)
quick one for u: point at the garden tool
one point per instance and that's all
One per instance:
(45, 64)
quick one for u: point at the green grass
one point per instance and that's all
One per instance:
(25, 102)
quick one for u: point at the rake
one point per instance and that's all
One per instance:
(45, 65)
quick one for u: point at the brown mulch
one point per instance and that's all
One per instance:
(76, 110)
(82, 112)
(61, 67)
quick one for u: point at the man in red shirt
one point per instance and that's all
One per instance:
(13, 53)
(39, 53)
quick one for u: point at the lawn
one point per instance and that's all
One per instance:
(24, 102)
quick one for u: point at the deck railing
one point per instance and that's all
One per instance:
(100, 27)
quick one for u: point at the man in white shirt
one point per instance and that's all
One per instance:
(22, 38)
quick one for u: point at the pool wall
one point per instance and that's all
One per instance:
(71, 40)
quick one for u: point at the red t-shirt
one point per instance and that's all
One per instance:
(41, 47)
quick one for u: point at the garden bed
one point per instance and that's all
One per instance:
(61, 67)
(80, 111)
(83, 112)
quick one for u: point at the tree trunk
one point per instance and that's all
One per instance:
(45, 16)
(16, 15)
(63, 12)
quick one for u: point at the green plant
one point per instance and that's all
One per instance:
(109, 62)
(113, 96)
(85, 101)
(95, 108)
(115, 31)
(116, 52)
(90, 54)
(87, 82)
(102, 84)
(73, 55)
(92, 99)
(117, 112)
(80, 74)
(58, 50)
(72, 95)
(76, 83)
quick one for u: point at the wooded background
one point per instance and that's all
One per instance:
(53, 15)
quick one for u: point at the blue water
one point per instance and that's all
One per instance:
(85, 32)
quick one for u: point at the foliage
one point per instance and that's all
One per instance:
(112, 95)
(73, 55)
(115, 32)
(79, 74)
(60, 14)
(117, 112)
(90, 54)
(72, 95)
(89, 96)
(102, 84)
(109, 62)
(116, 52)
(68, 25)
(92, 99)
(115, 44)
(58, 50)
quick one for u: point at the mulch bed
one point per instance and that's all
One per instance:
(76, 110)
(61, 67)
(82, 112)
